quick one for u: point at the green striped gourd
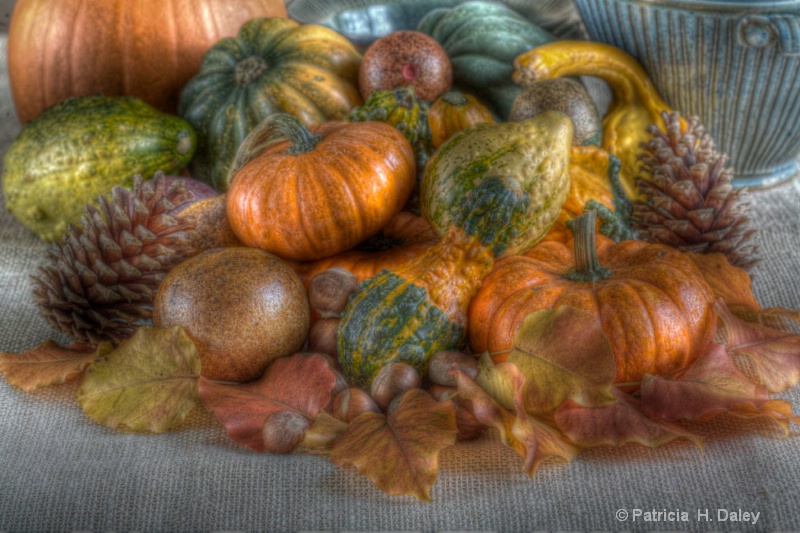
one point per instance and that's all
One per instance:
(409, 315)
(80, 149)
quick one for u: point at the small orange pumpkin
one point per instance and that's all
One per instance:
(651, 300)
(399, 243)
(454, 111)
(319, 190)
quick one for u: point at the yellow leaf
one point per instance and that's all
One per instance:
(564, 354)
(148, 383)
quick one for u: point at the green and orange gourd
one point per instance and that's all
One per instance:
(491, 190)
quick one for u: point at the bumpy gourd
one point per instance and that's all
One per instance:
(533, 151)
(635, 101)
(80, 149)
(410, 314)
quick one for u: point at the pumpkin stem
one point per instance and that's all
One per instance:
(276, 128)
(587, 267)
(455, 98)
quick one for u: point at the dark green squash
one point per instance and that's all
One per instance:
(485, 208)
(272, 65)
(80, 149)
(482, 40)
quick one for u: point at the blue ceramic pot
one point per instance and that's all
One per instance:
(734, 63)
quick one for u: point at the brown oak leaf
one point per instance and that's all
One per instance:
(49, 364)
(273, 413)
(774, 354)
(399, 451)
(617, 424)
(531, 438)
(148, 383)
(711, 385)
(563, 354)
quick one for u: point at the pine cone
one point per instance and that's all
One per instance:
(99, 284)
(688, 200)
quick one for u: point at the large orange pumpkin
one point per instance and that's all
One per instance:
(320, 190)
(651, 300)
(145, 48)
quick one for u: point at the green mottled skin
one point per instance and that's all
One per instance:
(535, 152)
(402, 109)
(482, 39)
(410, 315)
(392, 320)
(273, 65)
(80, 149)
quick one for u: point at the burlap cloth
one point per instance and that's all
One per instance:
(61, 471)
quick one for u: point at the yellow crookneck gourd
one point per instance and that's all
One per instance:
(635, 102)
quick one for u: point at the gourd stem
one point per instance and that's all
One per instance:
(455, 98)
(587, 266)
(276, 128)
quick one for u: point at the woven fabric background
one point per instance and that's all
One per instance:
(61, 471)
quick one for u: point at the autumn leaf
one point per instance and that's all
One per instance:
(322, 434)
(529, 437)
(728, 282)
(149, 383)
(617, 424)
(48, 364)
(775, 354)
(273, 413)
(563, 354)
(399, 451)
(712, 383)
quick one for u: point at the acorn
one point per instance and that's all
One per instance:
(393, 380)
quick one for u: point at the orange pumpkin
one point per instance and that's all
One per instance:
(317, 191)
(147, 48)
(651, 300)
(454, 111)
(399, 243)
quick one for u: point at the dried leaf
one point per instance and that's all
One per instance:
(563, 354)
(49, 364)
(497, 380)
(778, 411)
(617, 424)
(710, 385)
(148, 383)
(300, 385)
(531, 438)
(399, 451)
(728, 282)
(775, 354)
(322, 434)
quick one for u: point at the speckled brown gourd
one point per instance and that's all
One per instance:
(405, 58)
(243, 308)
(565, 95)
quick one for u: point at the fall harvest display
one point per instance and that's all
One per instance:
(387, 265)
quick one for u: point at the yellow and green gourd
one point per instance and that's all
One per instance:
(491, 190)
(80, 149)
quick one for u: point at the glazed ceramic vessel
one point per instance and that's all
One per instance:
(733, 63)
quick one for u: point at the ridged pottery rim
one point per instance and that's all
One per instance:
(753, 6)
